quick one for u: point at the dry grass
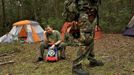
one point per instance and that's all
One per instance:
(115, 50)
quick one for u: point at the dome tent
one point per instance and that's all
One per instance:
(129, 30)
(31, 31)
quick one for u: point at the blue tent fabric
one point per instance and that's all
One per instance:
(129, 32)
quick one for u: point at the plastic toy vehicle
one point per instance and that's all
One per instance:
(52, 54)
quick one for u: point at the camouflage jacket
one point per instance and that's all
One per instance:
(70, 11)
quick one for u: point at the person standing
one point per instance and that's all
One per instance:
(86, 16)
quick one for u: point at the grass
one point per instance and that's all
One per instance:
(116, 51)
(6, 48)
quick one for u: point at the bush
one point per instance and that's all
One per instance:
(114, 15)
(56, 22)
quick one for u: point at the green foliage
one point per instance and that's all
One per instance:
(55, 22)
(114, 14)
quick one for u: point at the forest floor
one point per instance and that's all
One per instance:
(115, 50)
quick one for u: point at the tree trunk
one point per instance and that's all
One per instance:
(3, 10)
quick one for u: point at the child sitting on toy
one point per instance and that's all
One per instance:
(52, 39)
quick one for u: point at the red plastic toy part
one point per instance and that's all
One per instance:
(52, 55)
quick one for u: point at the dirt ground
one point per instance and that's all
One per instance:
(115, 50)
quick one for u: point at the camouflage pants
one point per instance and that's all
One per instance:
(87, 52)
(87, 37)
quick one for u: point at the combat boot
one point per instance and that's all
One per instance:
(78, 70)
(96, 63)
(39, 59)
(62, 54)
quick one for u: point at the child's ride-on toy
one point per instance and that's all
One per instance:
(52, 54)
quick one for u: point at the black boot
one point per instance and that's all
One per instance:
(62, 54)
(62, 57)
(78, 70)
(96, 63)
(39, 59)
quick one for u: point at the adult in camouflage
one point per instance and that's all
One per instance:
(85, 12)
